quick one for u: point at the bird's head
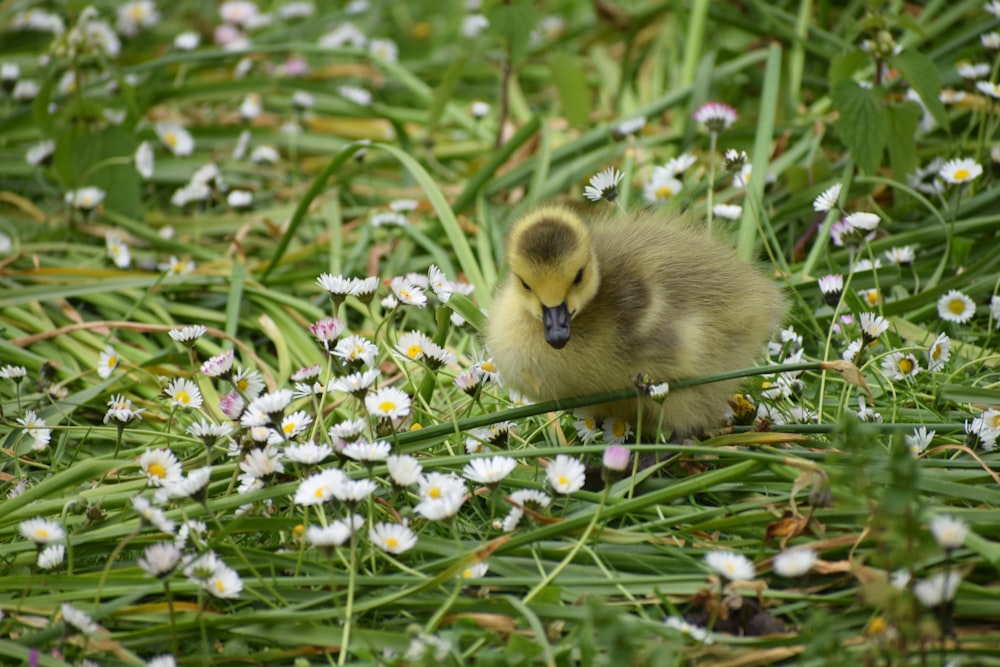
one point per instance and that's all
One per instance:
(552, 261)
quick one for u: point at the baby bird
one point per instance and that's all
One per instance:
(584, 308)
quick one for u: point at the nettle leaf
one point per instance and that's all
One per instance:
(844, 65)
(862, 124)
(921, 73)
(902, 125)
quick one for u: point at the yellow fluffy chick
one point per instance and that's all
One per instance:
(585, 307)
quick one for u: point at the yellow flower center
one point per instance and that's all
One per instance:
(871, 296)
(170, 139)
(413, 351)
(937, 352)
(664, 192)
(422, 30)
(289, 427)
(961, 174)
(905, 366)
(730, 569)
(298, 530)
(619, 429)
(391, 542)
(319, 493)
(435, 492)
(996, 421)
(242, 384)
(137, 11)
(112, 361)
(489, 367)
(386, 406)
(183, 397)
(563, 480)
(220, 585)
(467, 573)
(956, 306)
(157, 470)
(41, 534)
(405, 295)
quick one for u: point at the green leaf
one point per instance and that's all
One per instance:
(862, 124)
(903, 119)
(89, 158)
(514, 21)
(921, 73)
(844, 65)
(572, 85)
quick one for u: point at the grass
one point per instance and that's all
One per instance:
(102, 406)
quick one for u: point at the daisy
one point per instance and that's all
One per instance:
(36, 429)
(40, 153)
(901, 255)
(367, 452)
(900, 366)
(956, 307)
(960, 170)
(661, 187)
(872, 326)
(937, 589)
(356, 384)
(165, 660)
(394, 538)
(734, 160)
(384, 48)
(404, 470)
(489, 472)
(731, 565)
(329, 536)
(78, 619)
(184, 393)
(565, 474)
(347, 431)
(978, 434)
(261, 463)
(475, 571)
(224, 583)
(586, 427)
(832, 286)
(118, 250)
(629, 127)
(265, 155)
(918, 442)
(187, 41)
(863, 220)
(441, 496)
(241, 200)
(949, 532)
(177, 139)
(143, 160)
(974, 70)
(160, 559)
(658, 391)
(272, 404)
(188, 335)
(727, 211)
(85, 199)
(359, 96)
(939, 352)
(249, 381)
(616, 430)
(411, 345)
(353, 491)
(318, 488)
(716, 116)
(407, 293)
(160, 466)
(51, 557)
(42, 531)
(995, 310)
(135, 15)
(308, 453)
(120, 409)
(388, 402)
(794, 562)
(604, 185)
(438, 281)
(991, 89)
(219, 366)
(294, 424)
(694, 631)
(828, 200)
(616, 458)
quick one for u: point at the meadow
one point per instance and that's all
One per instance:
(247, 257)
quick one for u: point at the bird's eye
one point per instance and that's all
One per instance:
(579, 277)
(524, 284)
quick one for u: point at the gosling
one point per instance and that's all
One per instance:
(585, 308)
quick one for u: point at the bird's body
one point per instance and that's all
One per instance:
(585, 308)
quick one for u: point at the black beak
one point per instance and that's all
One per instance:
(556, 321)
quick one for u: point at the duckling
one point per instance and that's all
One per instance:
(584, 308)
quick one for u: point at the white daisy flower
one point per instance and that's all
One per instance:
(224, 583)
(388, 402)
(407, 292)
(384, 48)
(441, 496)
(974, 71)
(630, 126)
(829, 199)
(863, 220)
(42, 531)
(716, 116)
(353, 491)
(900, 366)
(604, 185)
(261, 463)
(394, 538)
(918, 442)
(187, 41)
(587, 428)
(937, 589)
(995, 310)
(187, 335)
(832, 286)
(144, 160)
(489, 472)
(960, 170)
(51, 557)
(565, 474)
(949, 532)
(731, 565)
(661, 187)
(988, 88)
(475, 571)
(359, 96)
(412, 344)
(160, 466)
(36, 429)
(900, 255)
(939, 352)
(184, 393)
(177, 139)
(329, 536)
(872, 326)
(318, 488)
(85, 199)
(956, 307)
(616, 430)
(794, 562)
(696, 632)
(404, 470)
(308, 453)
(727, 211)
(367, 452)
(79, 619)
(160, 559)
